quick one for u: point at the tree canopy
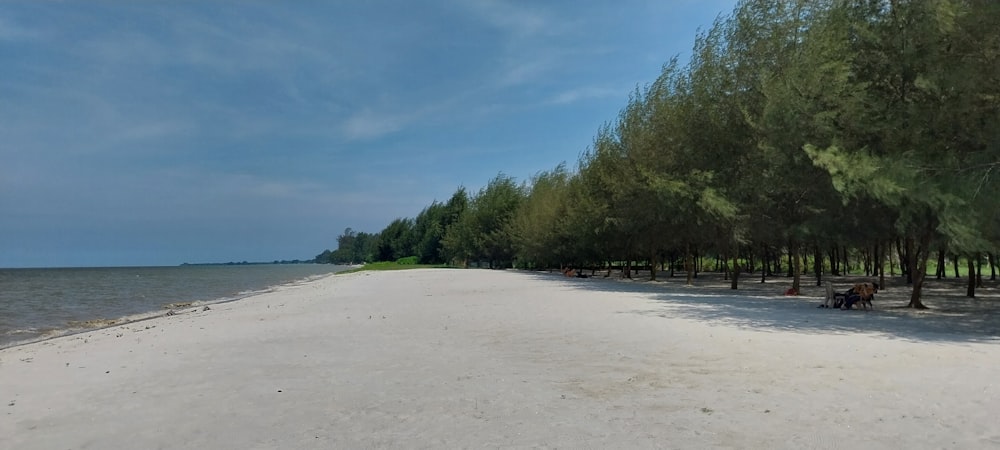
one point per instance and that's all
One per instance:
(801, 128)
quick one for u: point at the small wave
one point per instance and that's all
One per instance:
(21, 336)
(176, 305)
(31, 330)
(21, 333)
(55, 332)
(93, 323)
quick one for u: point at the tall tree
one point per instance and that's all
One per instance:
(396, 240)
(428, 230)
(901, 144)
(484, 229)
(541, 228)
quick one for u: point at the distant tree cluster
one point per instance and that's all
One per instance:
(798, 129)
(352, 248)
(422, 237)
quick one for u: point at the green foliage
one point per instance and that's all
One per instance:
(795, 124)
(484, 229)
(542, 233)
(392, 265)
(427, 233)
(396, 240)
(352, 247)
(457, 242)
(407, 261)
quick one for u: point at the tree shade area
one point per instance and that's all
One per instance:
(850, 133)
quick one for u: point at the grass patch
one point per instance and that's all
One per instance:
(409, 260)
(394, 265)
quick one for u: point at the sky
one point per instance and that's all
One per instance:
(158, 133)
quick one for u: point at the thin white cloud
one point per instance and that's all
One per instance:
(153, 130)
(517, 72)
(192, 42)
(255, 105)
(529, 42)
(379, 120)
(10, 31)
(368, 124)
(518, 20)
(584, 93)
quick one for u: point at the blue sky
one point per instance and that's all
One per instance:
(156, 133)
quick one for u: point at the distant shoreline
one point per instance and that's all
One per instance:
(253, 263)
(38, 304)
(184, 264)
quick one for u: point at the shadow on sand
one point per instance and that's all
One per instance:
(952, 318)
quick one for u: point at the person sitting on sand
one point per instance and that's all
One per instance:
(861, 292)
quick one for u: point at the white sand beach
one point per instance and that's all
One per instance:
(506, 359)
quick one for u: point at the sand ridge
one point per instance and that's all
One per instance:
(507, 359)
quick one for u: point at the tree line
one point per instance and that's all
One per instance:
(798, 130)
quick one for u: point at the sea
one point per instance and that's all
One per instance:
(37, 304)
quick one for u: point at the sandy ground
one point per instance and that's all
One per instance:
(494, 359)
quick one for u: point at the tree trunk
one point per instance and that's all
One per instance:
(818, 265)
(918, 261)
(834, 270)
(903, 259)
(795, 266)
(955, 263)
(697, 262)
(627, 268)
(689, 264)
(993, 265)
(979, 269)
(772, 262)
(892, 267)
(970, 289)
(881, 266)
(736, 270)
(764, 266)
(939, 273)
(866, 261)
(652, 267)
(790, 264)
(910, 260)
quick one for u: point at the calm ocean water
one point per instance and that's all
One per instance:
(38, 303)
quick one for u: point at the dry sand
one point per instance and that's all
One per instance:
(492, 359)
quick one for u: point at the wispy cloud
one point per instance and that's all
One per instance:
(529, 38)
(152, 131)
(368, 124)
(10, 31)
(217, 116)
(517, 72)
(519, 20)
(584, 93)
